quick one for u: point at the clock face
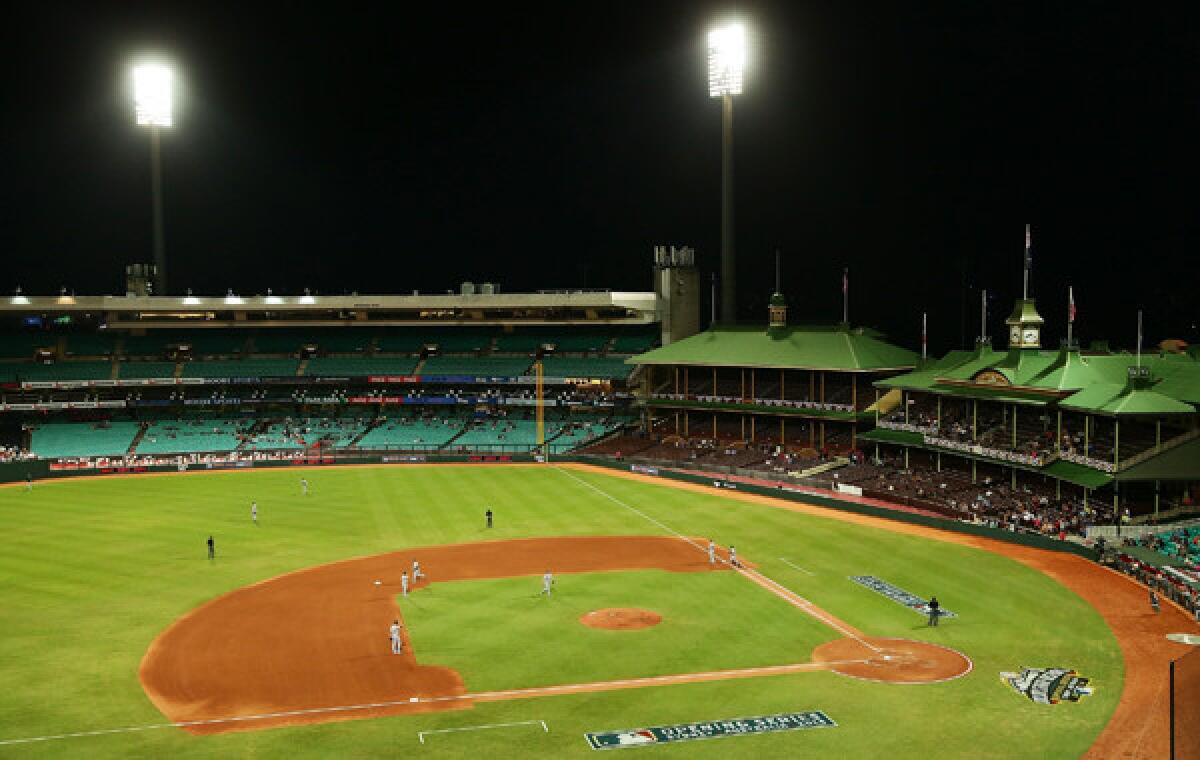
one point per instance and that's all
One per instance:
(1031, 336)
(1015, 335)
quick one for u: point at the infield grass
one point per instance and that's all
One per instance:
(93, 570)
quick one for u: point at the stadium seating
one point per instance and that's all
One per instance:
(595, 366)
(242, 368)
(141, 370)
(350, 366)
(82, 439)
(22, 345)
(65, 371)
(482, 366)
(203, 435)
(399, 432)
(634, 341)
(90, 344)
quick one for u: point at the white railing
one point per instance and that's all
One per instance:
(782, 403)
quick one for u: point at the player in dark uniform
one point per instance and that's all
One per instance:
(212, 551)
(488, 515)
(934, 611)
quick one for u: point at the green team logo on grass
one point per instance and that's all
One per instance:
(1048, 686)
(641, 737)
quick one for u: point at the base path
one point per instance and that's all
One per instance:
(318, 638)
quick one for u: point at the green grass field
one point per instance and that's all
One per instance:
(93, 570)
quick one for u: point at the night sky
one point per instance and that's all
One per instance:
(352, 148)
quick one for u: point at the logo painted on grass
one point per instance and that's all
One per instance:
(1048, 686)
(641, 737)
(899, 595)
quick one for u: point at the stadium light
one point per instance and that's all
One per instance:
(190, 300)
(153, 107)
(726, 60)
(307, 297)
(152, 89)
(726, 67)
(272, 298)
(233, 298)
(19, 298)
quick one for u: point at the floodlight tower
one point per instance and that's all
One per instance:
(152, 85)
(726, 64)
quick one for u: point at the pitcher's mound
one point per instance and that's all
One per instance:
(621, 618)
(893, 660)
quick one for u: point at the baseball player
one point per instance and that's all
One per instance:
(254, 512)
(488, 515)
(304, 486)
(733, 560)
(29, 487)
(404, 583)
(547, 582)
(712, 552)
(1154, 601)
(397, 641)
(417, 574)
(212, 551)
(935, 610)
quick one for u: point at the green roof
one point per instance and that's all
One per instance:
(1179, 463)
(821, 348)
(1080, 475)
(1100, 382)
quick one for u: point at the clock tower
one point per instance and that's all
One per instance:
(1025, 324)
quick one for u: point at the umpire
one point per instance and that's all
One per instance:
(934, 611)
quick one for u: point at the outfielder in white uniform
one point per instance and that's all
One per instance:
(712, 553)
(417, 574)
(254, 512)
(733, 557)
(404, 583)
(304, 486)
(547, 582)
(397, 641)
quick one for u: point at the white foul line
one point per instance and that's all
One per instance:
(636, 511)
(421, 734)
(785, 561)
(771, 585)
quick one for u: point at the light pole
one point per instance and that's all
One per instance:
(726, 64)
(152, 84)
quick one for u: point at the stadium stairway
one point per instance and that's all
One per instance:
(420, 366)
(353, 442)
(301, 367)
(824, 467)
(142, 427)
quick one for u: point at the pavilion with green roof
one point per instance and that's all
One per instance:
(799, 387)
(1127, 425)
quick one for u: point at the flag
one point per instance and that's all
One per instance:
(1028, 248)
(1070, 304)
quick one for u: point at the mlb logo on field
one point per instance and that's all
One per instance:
(636, 737)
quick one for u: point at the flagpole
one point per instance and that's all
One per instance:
(1139, 345)
(1028, 263)
(983, 317)
(1070, 314)
(846, 296)
(924, 336)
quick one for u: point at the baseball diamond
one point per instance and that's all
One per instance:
(286, 628)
